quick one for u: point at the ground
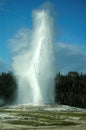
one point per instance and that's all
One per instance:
(27, 117)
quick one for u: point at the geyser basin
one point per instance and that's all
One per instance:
(33, 62)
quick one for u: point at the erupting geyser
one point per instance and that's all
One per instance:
(34, 63)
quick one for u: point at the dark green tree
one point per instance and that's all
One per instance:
(8, 87)
(70, 89)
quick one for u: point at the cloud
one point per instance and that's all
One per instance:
(20, 41)
(70, 58)
(3, 66)
(20, 46)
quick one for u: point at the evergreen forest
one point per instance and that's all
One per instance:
(70, 89)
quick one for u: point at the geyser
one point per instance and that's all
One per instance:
(33, 63)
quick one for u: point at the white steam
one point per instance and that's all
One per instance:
(33, 61)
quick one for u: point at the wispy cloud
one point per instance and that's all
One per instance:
(3, 66)
(20, 47)
(20, 40)
(70, 58)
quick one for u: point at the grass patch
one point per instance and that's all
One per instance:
(43, 118)
(50, 115)
(35, 123)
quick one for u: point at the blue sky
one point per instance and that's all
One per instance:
(70, 28)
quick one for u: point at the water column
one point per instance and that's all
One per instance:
(36, 82)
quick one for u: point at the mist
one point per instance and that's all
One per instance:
(34, 61)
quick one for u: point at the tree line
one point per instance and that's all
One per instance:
(70, 89)
(8, 87)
